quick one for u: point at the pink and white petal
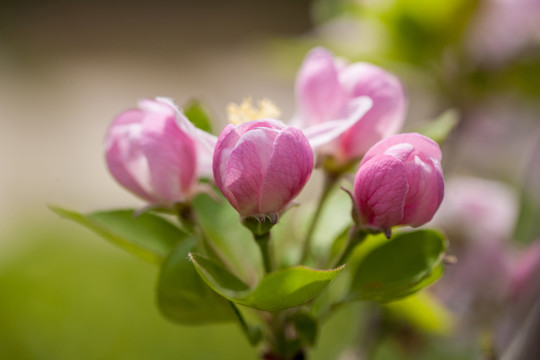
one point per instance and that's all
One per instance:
(123, 154)
(385, 118)
(246, 167)
(387, 115)
(289, 169)
(220, 159)
(400, 151)
(171, 157)
(261, 123)
(422, 145)
(380, 189)
(323, 133)
(149, 106)
(320, 96)
(205, 142)
(426, 189)
(128, 166)
(227, 141)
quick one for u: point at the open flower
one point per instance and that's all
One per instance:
(399, 182)
(156, 153)
(360, 102)
(260, 166)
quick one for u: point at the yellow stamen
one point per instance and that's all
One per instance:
(245, 112)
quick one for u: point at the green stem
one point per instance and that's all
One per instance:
(283, 344)
(264, 244)
(251, 333)
(329, 181)
(355, 237)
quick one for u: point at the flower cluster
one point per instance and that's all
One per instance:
(214, 268)
(345, 112)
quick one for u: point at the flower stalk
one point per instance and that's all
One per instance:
(330, 181)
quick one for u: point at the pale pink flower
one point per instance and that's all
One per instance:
(156, 153)
(478, 209)
(502, 29)
(360, 103)
(260, 166)
(399, 182)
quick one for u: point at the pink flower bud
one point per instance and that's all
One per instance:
(399, 182)
(156, 153)
(330, 90)
(261, 165)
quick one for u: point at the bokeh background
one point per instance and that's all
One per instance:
(67, 67)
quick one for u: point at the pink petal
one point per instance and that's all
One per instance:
(289, 169)
(323, 133)
(246, 168)
(387, 114)
(226, 141)
(319, 94)
(421, 143)
(400, 151)
(380, 189)
(170, 153)
(205, 143)
(124, 155)
(426, 190)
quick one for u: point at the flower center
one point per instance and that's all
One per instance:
(238, 114)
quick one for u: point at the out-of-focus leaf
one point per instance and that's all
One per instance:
(440, 128)
(423, 312)
(279, 290)
(198, 116)
(147, 235)
(183, 297)
(306, 326)
(399, 267)
(528, 227)
(422, 30)
(229, 239)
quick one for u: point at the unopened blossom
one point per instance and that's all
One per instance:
(399, 182)
(260, 166)
(157, 154)
(360, 102)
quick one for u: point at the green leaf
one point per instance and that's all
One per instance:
(423, 311)
(229, 239)
(399, 267)
(183, 297)
(198, 116)
(440, 128)
(279, 290)
(148, 236)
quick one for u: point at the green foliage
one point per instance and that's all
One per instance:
(230, 241)
(279, 290)
(407, 263)
(183, 297)
(423, 311)
(148, 236)
(421, 31)
(195, 112)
